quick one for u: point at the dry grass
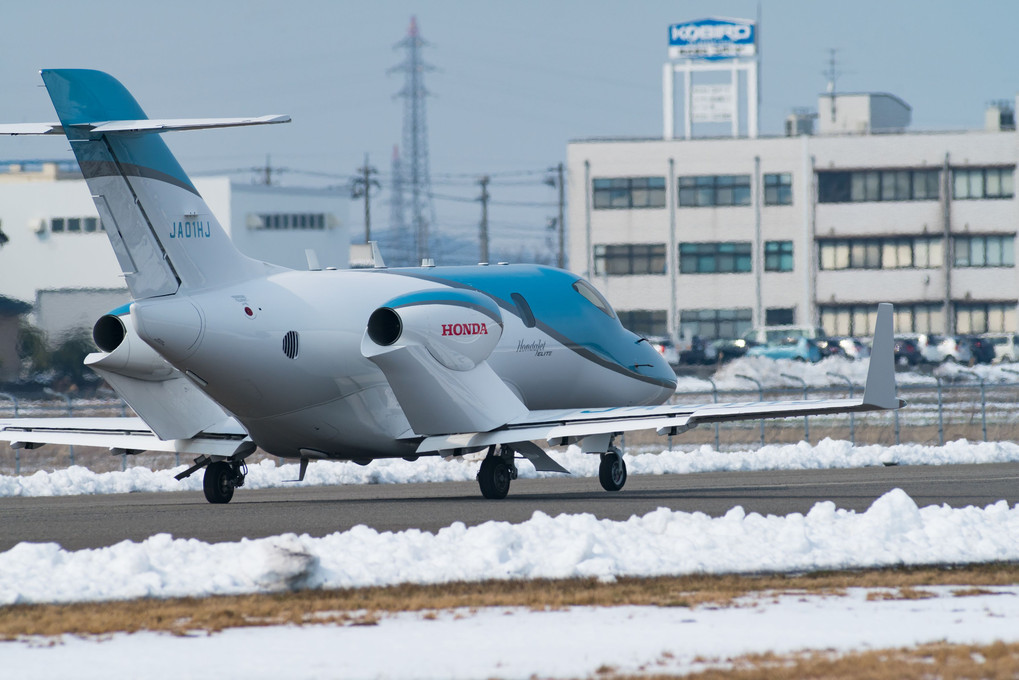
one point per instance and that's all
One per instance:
(363, 606)
(998, 661)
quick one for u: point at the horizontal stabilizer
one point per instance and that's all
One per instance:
(172, 124)
(31, 129)
(145, 125)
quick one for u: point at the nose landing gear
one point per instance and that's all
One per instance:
(612, 471)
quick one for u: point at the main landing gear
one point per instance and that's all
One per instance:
(612, 471)
(496, 473)
(221, 478)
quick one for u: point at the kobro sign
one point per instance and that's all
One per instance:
(713, 39)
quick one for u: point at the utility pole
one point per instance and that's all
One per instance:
(362, 186)
(558, 182)
(484, 217)
(561, 256)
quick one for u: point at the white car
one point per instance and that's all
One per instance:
(1006, 347)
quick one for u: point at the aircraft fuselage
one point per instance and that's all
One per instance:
(283, 354)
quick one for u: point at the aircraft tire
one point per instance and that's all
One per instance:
(612, 471)
(218, 482)
(494, 478)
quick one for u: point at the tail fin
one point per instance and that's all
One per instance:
(163, 233)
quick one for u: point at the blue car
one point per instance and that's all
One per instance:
(798, 349)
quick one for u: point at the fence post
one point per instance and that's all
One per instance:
(70, 411)
(941, 418)
(983, 401)
(714, 396)
(17, 452)
(760, 391)
(806, 424)
(852, 416)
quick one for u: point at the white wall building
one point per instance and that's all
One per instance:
(713, 236)
(55, 255)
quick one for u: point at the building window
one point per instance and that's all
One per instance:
(878, 185)
(779, 316)
(984, 251)
(778, 256)
(778, 189)
(645, 322)
(981, 317)
(629, 192)
(281, 221)
(710, 324)
(629, 259)
(75, 225)
(714, 190)
(917, 252)
(982, 183)
(858, 320)
(715, 258)
(919, 318)
(852, 320)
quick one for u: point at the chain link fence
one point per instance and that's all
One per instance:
(934, 414)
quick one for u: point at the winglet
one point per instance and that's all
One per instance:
(880, 389)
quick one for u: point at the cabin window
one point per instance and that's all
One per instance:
(526, 315)
(594, 297)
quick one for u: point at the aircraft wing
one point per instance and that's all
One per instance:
(120, 435)
(596, 426)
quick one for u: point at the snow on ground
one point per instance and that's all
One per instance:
(514, 643)
(519, 643)
(893, 531)
(825, 454)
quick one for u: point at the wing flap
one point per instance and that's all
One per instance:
(130, 434)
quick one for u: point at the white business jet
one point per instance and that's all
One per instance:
(219, 354)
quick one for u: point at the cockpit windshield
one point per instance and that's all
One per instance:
(593, 296)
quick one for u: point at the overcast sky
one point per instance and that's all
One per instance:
(514, 81)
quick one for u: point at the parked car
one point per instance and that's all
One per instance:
(692, 351)
(850, 348)
(724, 349)
(770, 334)
(666, 347)
(1006, 346)
(938, 349)
(981, 351)
(907, 351)
(799, 349)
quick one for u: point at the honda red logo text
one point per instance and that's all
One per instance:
(464, 329)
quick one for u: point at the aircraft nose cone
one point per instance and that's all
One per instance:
(172, 327)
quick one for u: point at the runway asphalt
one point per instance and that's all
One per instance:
(77, 522)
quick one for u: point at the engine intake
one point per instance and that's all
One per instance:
(459, 328)
(385, 326)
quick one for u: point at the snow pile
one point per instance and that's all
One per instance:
(994, 373)
(892, 531)
(769, 373)
(826, 454)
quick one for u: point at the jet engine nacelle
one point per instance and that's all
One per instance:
(124, 352)
(459, 328)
